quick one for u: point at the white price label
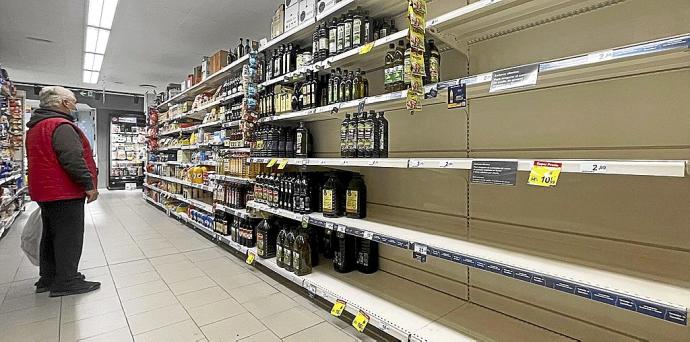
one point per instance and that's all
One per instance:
(368, 235)
(329, 225)
(341, 228)
(303, 162)
(600, 56)
(415, 163)
(344, 162)
(593, 167)
(372, 162)
(445, 163)
(419, 248)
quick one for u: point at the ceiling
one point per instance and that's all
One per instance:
(152, 41)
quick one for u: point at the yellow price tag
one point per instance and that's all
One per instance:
(366, 48)
(282, 164)
(360, 321)
(250, 258)
(544, 173)
(271, 162)
(338, 308)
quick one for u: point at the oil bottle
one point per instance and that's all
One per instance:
(341, 35)
(367, 255)
(357, 28)
(369, 136)
(361, 136)
(343, 136)
(407, 76)
(356, 198)
(301, 255)
(330, 197)
(265, 240)
(434, 63)
(288, 250)
(347, 41)
(383, 136)
(333, 37)
(280, 247)
(389, 69)
(323, 41)
(328, 243)
(399, 61)
(302, 141)
(344, 253)
(352, 136)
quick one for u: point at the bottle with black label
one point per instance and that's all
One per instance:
(357, 28)
(434, 71)
(361, 136)
(368, 29)
(389, 70)
(365, 83)
(338, 82)
(347, 42)
(383, 136)
(306, 195)
(353, 125)
(302, 141)
(265, 240)
(369, 136)
(367, 255)
(343, 136)
(301, 255)
(340, 42)
(280, 247)
(356, 198)
(344, 253)
(287, 252)
(323, 41)
(330, 197)
(240, 49)
(315, 45)
(331, 87)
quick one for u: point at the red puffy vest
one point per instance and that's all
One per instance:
(48, 181)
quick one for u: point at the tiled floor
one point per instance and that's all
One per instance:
(161, 281)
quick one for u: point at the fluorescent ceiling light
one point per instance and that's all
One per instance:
(102, 13)
(92, 61)
(90, 77)
(96, 40)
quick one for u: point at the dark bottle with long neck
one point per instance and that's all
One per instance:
(346, 87)
(280, 247)
(361, 136)
(323, 41)
(240, 49)
(301, 255)
(333, 38)
(343, 136)
(247, 47)
(306, 195)
(375, 132)
(302, 141)
(383, 136)
(357, 28)
(330, 197)
(331, 87)
(367, 255)
(344, 253)
(352, 127)
(347, 36)
(328, 243)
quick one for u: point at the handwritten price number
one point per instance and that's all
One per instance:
(250, 258)
(338, 308)
(421, 249)
(360, 321)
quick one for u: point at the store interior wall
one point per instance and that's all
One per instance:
(105, 107)
(626, 224)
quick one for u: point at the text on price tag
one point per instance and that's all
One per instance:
(305, 221)
(360, 321)
(544, 173)
(338, 308)
(593, 167)
(250, 258)
(271, 162)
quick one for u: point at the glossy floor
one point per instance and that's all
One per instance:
(161, 281)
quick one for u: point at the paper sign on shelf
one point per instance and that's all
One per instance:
(517, 77)
(457, 96)
(366, 48)
(360, 321)
(305, 221)
(272, 162)
(250, 258)
(282, 164)
(544, 173)
(338, 308)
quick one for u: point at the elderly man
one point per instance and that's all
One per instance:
(62, 173)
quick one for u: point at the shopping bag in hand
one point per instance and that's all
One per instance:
(31, 236)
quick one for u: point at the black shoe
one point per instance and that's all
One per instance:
(75, 287)
(43, 284)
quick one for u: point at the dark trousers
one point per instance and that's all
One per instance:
(62, 240)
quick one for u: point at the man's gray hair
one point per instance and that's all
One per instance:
(52, 97)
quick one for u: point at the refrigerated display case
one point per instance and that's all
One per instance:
(127, 146)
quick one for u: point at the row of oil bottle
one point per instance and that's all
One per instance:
(362, 135)
(298, 248)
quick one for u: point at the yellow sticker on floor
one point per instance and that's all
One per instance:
(366, 48)
(250, 258)
(282, 164)
(338, 308)
(360, 321)
(544, 173)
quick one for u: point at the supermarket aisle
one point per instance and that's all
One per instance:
(161, 281)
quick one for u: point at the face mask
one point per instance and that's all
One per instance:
(73, 112)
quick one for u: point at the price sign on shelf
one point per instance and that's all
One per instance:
(250, 258)
(544, 173)
(600, 56)
(594, 167)
(340, 228)
(419, 252)
(329, 225)
(368, 235)
(282, 164)
(338, 308)
(366, 48)
(305, 221)
(360, 321)
(271, 162)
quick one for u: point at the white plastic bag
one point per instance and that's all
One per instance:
(31, 236)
